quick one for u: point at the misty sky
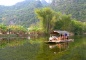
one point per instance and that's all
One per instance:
(11, 2)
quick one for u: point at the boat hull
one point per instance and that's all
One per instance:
(60, 41)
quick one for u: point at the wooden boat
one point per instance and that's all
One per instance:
(60, 41)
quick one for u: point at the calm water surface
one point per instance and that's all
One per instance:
(36, 49)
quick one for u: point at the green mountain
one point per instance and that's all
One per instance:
(20, 14)
(77, 8)
(23, 12)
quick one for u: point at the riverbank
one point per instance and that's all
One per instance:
(12, 36)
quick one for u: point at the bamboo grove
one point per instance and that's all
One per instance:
(51, 20)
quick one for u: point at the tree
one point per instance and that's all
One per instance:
(17, 29)
(75, 7)
(47, 16)
(3, 28)
(63, 22)
(84, 27)
(77, 27)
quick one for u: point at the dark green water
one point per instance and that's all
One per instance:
(36, 49)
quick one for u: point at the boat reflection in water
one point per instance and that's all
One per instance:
(58, 47)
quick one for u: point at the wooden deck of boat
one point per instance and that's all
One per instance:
(60, 41)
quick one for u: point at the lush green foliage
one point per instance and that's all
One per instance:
(53, 20)
(23, 14)
(77, 27)
(12, 28)
(35, 27)
(47, 16)
(65, 22)
(17, 28)
(75, 7)
(20, 14)
(3, 28)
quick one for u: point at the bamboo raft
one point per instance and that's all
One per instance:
(60, 41)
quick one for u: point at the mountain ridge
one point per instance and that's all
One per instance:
(20, 14)
(77, 8)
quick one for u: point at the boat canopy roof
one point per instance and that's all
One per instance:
(60, 32)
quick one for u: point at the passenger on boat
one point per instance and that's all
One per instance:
(62, 37)
(66, 37)
(52, 38)
(59, 38)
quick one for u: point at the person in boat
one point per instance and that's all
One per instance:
(52, 38)
(60, 37)
(66, 37)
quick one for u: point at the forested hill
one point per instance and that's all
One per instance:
(75, 7)
(22, 13)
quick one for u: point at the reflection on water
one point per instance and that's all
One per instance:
(36, 49)
(12, 42)
(60, 47)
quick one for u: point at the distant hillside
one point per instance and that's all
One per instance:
(20, 14)
(75, 7)
(23, 12)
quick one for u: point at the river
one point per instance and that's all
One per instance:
(36, 49)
